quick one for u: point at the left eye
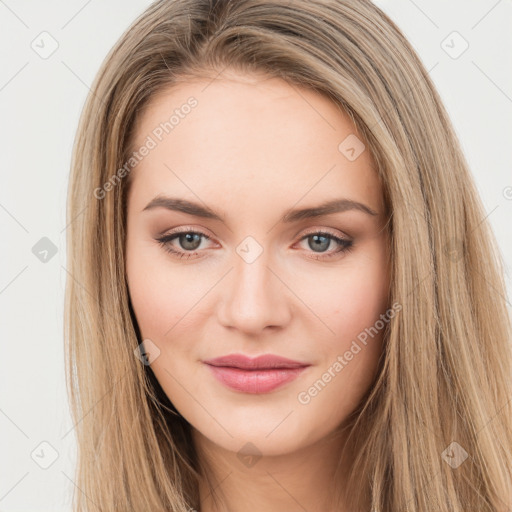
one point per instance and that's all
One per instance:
(191, 240)
(322, 240)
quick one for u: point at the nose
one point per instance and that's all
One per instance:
(254, 297)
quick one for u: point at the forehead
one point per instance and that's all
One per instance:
(257, 137)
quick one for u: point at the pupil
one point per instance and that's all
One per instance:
(188, 238)
(318, 243)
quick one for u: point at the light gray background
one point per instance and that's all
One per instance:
(40, 102)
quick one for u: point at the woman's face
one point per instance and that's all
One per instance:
(261, 271)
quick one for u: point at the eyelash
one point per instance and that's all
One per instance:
(164, 241)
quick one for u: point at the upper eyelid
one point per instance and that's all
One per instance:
(167, 234)
(188, 229)
(329, 231)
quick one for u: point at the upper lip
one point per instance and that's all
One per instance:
(265, 361)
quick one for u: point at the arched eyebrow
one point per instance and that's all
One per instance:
(333, 206)
(292, 215)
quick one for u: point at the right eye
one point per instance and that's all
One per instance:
(188, 239)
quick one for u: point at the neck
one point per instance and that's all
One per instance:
(310, 478)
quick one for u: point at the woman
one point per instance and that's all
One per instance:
(270, 209)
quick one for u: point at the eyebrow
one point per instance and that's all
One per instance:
(292, 215)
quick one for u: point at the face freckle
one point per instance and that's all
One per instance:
(250, 274)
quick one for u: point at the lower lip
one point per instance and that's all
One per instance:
(255, 381)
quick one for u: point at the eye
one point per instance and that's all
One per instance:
(190, 241)
(318, 241)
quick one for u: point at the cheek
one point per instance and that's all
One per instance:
(358, 300)
(351, 306)
(351, 298)
(161, 296)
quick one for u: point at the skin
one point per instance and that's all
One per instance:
(253, 148)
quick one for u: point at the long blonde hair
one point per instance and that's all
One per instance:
(435, 432)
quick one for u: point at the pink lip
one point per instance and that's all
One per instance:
(255, 375)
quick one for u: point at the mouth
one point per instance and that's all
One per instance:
(262, 374)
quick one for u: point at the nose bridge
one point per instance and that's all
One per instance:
(254, 297)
